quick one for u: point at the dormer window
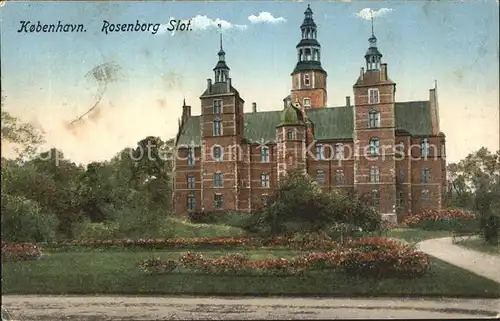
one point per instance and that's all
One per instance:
(373, 96)
(307, 80)
(307, 103)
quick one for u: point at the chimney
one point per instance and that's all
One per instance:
(209, 85)
(228, 84)
(383, 71)
(348, 101)
(362, 73)
(254, 107)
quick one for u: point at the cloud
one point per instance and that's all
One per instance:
(200, 22)
(367, 13)
(265, 17)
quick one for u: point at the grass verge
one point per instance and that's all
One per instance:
(478, 244)
(117, 273)
(416, 235)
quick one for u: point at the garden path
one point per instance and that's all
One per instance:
(483, 264)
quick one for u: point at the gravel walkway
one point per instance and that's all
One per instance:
(483, 264)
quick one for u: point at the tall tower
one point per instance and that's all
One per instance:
(308, 77)
(221, 132)
(374, 133)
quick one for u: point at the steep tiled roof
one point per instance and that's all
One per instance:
(329, 123)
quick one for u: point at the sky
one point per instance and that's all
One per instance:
(47, 78)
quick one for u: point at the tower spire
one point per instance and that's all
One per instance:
(308, 49)
(372, 56)
(221, 69)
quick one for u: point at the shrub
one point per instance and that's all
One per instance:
(96, 231)
(20, 251)
(443, 219)
(24, 221)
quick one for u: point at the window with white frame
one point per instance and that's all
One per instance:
(291, 134)
(190, 181)
(217, 127)
(320, 152)
(217, 106)
(374, 146)
(307, 80)
(264, 180)
(373, 96)
(374, 119)
(320, 177)
(374, 174)
(218, 180)
(218, 154)
(264, 154)
(307, 103)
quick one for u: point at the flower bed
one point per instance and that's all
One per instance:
(371, 257)
(20, 251)
(442, 219)
(309, 241)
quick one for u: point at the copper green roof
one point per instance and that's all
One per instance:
(332, 123)
(291, 115)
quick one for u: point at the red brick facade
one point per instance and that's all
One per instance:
(379, 155)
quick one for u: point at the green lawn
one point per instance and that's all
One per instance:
(415, 235)
(115, 272)
(479, 245)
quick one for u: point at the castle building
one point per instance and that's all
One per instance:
(391, 153)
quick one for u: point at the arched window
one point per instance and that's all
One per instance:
(340, 177)
(374, 119)
(374, 146)
(218, 154)
(264, 154)
(320, 177)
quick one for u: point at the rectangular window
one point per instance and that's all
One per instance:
(217, 106)
(425, 175)
(339, 151)
(400, 200)
(191, 181)
(307, 103)
(218, 180)
(401, 176)
(374, 174)
(373, 96)
(217, 153)
(291, 134)
(307, 80)
(320, 177)
(374, 146)
(264, 180)
(424, 148)
(190, 158)
(264, 154)
(320, 152)
(218, 201)
(191, 203)
(374, 119)
(217, 128)
(340, 177)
